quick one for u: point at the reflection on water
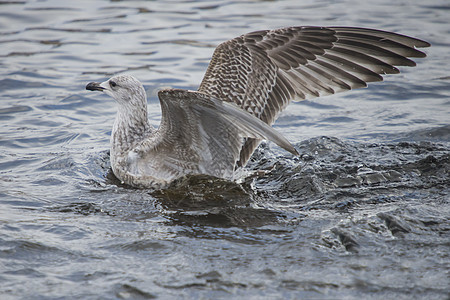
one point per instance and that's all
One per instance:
(362, 213)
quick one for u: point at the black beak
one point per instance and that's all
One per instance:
(94, 86)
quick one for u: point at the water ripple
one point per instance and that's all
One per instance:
(361, 213)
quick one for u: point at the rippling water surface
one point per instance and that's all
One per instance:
(362, 213)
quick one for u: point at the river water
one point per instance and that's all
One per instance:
(362, 213)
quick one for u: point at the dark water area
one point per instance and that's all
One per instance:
(362, 213)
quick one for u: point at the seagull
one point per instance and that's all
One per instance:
(249, 81)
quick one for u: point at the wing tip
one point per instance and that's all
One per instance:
(421, 43)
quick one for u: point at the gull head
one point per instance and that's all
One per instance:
(125, 89)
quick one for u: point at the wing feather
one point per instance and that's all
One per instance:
(201, 134)
(263, 71)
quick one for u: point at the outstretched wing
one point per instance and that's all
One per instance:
(263, 71)
(201, 134)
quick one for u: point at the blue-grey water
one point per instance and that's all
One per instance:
(363, 213)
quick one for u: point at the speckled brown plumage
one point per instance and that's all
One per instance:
(264, 70)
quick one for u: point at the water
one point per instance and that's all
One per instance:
(362, 213)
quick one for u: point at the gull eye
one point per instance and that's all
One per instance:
(112, 83)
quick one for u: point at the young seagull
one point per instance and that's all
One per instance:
(249, 81)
